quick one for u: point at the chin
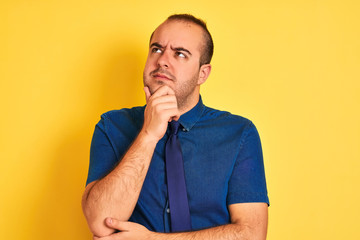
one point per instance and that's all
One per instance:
(155, 86)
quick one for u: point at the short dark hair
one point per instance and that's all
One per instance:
(208, 48)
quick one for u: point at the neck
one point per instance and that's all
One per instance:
(189, 103)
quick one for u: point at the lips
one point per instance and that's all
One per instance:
(161, 76)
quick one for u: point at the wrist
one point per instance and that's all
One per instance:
(147, 137)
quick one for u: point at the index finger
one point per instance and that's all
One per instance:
(163, 90)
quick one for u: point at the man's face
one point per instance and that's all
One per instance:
(174, 59)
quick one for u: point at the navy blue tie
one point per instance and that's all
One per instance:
(178, 201)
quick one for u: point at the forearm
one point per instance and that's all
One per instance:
(224, 232)
(116, 194)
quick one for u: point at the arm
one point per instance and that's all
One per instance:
(116, 194)
(248, 221)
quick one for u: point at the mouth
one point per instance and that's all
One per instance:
(161, 76)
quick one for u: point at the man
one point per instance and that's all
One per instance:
(127, 195)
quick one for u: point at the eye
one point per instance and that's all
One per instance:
(180, 54)
(156, 50)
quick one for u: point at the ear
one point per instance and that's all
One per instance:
(204, 73)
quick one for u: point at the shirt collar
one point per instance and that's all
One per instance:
(188, 119)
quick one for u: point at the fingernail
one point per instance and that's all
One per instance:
(109, 220)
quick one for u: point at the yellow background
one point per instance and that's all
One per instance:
(290, 66)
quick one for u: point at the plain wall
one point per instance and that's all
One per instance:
(292, 67)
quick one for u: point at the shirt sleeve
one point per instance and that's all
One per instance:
(247, 182)
(102, 155)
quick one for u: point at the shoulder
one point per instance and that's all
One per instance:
(225, 118)
(124, 113)
(231, 126)
(122, 117)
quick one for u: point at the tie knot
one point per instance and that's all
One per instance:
(174, 127)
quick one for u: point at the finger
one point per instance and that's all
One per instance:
(167, 112)
(147, 93)
(116, 224)
(173, 114)
(164, 99)
(175, 118)
(164, 90)
(165, 106)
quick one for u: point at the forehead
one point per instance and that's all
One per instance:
(179, 34)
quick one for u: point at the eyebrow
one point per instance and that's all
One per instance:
(182, 50)
(156, 44)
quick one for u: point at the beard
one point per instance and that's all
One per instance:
(185, 93)
(184, 89)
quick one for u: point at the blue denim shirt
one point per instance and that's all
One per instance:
(223, 164)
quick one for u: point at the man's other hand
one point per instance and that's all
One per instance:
(128, 231)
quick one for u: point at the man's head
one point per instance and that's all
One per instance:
(208, 44)
(179, 56)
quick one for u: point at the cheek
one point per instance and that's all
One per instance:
(190, 74)
(149, 64)
(146, 67)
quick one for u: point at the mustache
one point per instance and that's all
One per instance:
(163, 72)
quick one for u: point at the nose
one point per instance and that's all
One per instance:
(163, 60)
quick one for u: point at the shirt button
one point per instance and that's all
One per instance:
(184, 130)
(168, 210)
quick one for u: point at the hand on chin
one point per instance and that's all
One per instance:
(154, 87)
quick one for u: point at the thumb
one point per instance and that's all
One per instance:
(116, 224)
